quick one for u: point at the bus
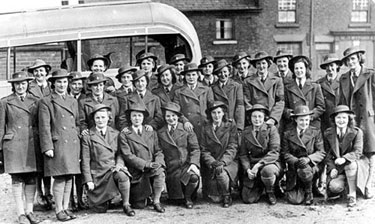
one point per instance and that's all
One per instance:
(67, 36)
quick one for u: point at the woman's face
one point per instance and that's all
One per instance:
(101, 118)
(208, 69)
(262, 66)
(217, 115)
(243, 66)
(171, 118)
(342, 120)
(191, 77)
(257, 118)
(166, 78)
(136, 118)
(97, 89)
(224, 74)
(98, 66)
(61, 85)
(331, 70)
(40, 74)
(147, 65)
(21, 87)
(179, 66)
(282, 64)
(300, 70)
(141, 84)
(76, 86)
(353, 61)
(303, 121)
(126, 79)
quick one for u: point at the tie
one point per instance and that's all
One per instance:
(171, 131)
(301, 134)
(141, 95)
(282, 74)
(341, 134)
(299, 83)
(167, 90)
(139, 132)
(75, 96)
(256, 133)
(63, 97)
(354, 78)
(262, 79)
(22, 98)
(102, 133)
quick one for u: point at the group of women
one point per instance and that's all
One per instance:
(172, 127)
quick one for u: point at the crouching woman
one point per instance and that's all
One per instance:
(103, 167)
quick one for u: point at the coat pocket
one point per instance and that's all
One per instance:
(8, 136)
(55, 138)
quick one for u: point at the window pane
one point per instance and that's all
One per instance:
(287, 4)
(287, 11)
(291, 48)
(3, 60)
(291, 17)
(360, 4)
(224, 29)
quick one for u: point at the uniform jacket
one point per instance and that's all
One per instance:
(269, 94)
(310, 95)
(58, 130)
(19, 142)
(181, 149)
(163, 95)
(137, 151)
(288, 77)
(122, 92)
(193, 104)
(87, 104)
(331, 94)
(264, 149)
(232, 95)
(222, 146)
(99, 156)
(152, 103)
(37, 92)
(362, 103)
(293, 148)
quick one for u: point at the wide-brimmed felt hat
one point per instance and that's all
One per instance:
(139, 74)
(59, 74)
(20, 77)
(96, 77)
(352, 50)
(215, 104)
(258, 107)
(190, 67)
(37, 64)
(164, 68)
(98, 107)
(139, 107)
(207, 60)
(341, 109)
(301, 110)
(76, 76)
(178, 57)
(98, 57)
(261, 55)
(171, 106)
(330, 58)
(145, 56)
(294, 59)
(124, 70)
(282, 54)
(220, 65)
(240, 55)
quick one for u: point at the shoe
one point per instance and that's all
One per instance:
(49, 202)
(62, 216)
(22, 219)
(128, 210)
(351, 201)
(227, 201)
(31, 217)
(70, 214)
(317, 192)
(149, 201)
(309, 199)
(368, 194)
(41, 200)
(189, 204)
(139, 204)
(271, 198)
(102, 208)
(159, 208)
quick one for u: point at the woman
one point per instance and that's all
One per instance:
(303, 151)
(260, 156)
(144, 158)
(302, 91)
(103, 167)
(219, 145)
(241, 61)
(207, 64)
(182, 156)
(142, 95)
(167, 83)
(18, 120)
(148, 63)
(344, 145)
(96, 82)
(58, 128)
(76, 86)
(100, 63)
(125, 77)
(179, 61)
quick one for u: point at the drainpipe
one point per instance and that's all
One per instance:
(312, 45)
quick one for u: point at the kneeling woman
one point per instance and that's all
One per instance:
(344, 144)
(182, 156)
(303, 150)
(144, 159)
(260, 156)
(219, 146)
(103, 167)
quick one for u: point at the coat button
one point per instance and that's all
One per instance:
(64, 128)
(19, 126)
(66, 141)
(63, 115)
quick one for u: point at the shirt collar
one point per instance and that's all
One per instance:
(137, 128)
(338, 130)
(100, 130)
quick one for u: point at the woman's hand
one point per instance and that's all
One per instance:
(333, 173)
(250, 174)
(148, 127)
(85, 132)
(188, 127)
(340, 161)
(90, 186)
(49, 153)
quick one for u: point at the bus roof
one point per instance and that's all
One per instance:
(88, 21)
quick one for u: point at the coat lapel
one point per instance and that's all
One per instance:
(328, 88)
(148, 97)
(136, 138)
(348, 138)
(294, 138)
(220, 91)
(164, 135)
(333, 141)
(362, 78)
(307, 87)
(96, 137)
(345, 84)
(15, 101)
(270, 82)
(212, 135)
(249, 135)
(66, 104)
(255, 81)
(186, 91)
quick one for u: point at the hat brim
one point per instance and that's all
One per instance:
(323, 65)
(100, 108)
(206, 63)
(58, 77)
(343, 111)
(289, 56)
(31, 69)
(139, 61)
(293, 60)
(96, 81)
(208, 110)
(254, 60)
(239, 59)
(21, 79)
(266, 111)
(302, 114)
(355, 52)
(218, 69)
(191, 70)
(91, 61)
(180, 59)
(165, 69)
(145, 112)
(126, 71)
(172, 110)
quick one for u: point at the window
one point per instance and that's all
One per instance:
(292, 48)
(287, 11)
(360, 11)
(224, 29)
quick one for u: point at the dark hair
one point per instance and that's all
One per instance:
(248, 115)
(154, 61)
(127, 115)
(164, 112)
(209, 116)
(120, 76)
(173, 73)
(361, 58)
(269, 62)
(307, 66)
(137, 80)
(351, 124)
(109, 112)
(14, 88)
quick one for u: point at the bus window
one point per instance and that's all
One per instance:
(3, 64)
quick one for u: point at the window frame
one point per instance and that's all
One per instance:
(219, 33)
(279, 22)
(367, 10)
